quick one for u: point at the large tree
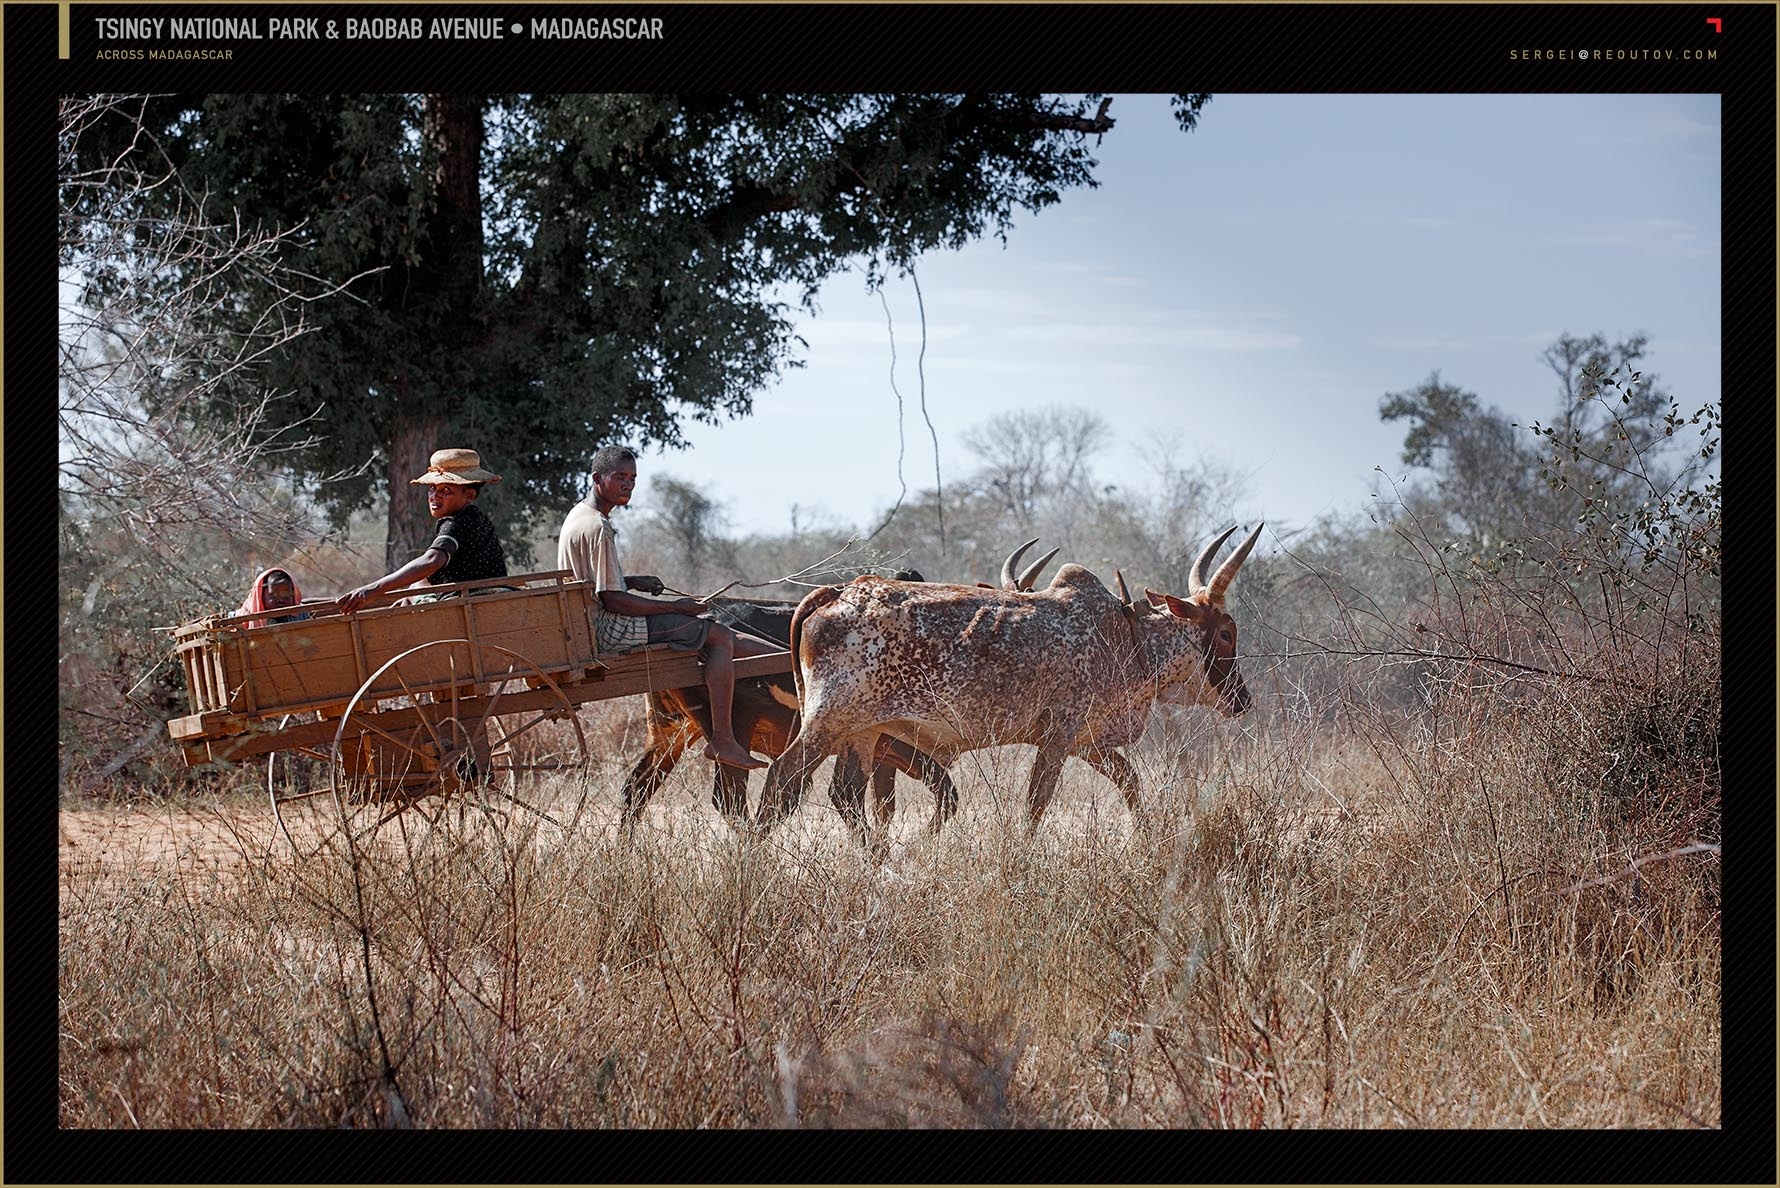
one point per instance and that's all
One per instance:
(541, 274)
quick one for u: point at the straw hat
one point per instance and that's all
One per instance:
(456, 466)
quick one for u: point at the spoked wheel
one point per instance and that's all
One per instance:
(452, 721)
(299, 782)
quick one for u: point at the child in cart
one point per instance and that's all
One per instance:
(466, 548)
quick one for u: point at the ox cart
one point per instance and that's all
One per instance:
(360, 717)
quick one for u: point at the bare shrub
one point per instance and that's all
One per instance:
(165, 510)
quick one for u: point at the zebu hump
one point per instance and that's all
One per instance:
(772, 622)
(1076, 577)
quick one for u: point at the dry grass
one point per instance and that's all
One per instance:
(1383, 922)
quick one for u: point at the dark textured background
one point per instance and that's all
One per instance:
(1052, 47)
(1062, 47)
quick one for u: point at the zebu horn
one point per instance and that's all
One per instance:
(1031, 574)
(1196, 578)
(1008, 580)
(1220, 581)
(1124, 594)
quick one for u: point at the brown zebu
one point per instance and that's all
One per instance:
(765, 717)
(1071, 669)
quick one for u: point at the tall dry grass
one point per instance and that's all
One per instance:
(1342, 913)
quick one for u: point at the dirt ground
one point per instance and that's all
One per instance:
(119, 843)
(123, 841)
(115, 844)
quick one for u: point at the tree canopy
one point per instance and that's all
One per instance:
(1619, 457)
(536, 275)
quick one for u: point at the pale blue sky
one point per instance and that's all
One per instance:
(1252, 288)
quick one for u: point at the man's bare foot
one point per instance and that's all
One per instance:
(735, 758)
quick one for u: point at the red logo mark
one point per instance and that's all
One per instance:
(1717, 24)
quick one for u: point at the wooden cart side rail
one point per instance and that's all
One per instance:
(322, 659)
(230, 737)
(241, 680)
(325, 608)
(612, 675)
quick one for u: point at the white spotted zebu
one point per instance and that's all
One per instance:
(1072, 669)
(765, 717)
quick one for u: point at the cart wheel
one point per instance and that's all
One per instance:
(453, 718)
(300, 787)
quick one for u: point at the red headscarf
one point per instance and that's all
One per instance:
(256, 597)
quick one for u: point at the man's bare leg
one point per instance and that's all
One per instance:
(721, 648)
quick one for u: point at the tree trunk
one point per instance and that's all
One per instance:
(413, 436)
(452, 128)
(449, 274)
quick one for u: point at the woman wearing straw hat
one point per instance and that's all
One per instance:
(465, 549)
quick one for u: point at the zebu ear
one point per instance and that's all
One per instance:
(1178, 608)
(1151, 602)
(1132, 611)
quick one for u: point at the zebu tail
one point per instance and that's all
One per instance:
(814, 601)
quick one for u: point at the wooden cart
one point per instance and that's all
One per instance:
(403, 701)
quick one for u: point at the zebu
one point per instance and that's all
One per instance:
(765, 717)
(1071, 669)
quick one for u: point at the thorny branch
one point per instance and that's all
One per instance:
(823, 566)
(1635, 864)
